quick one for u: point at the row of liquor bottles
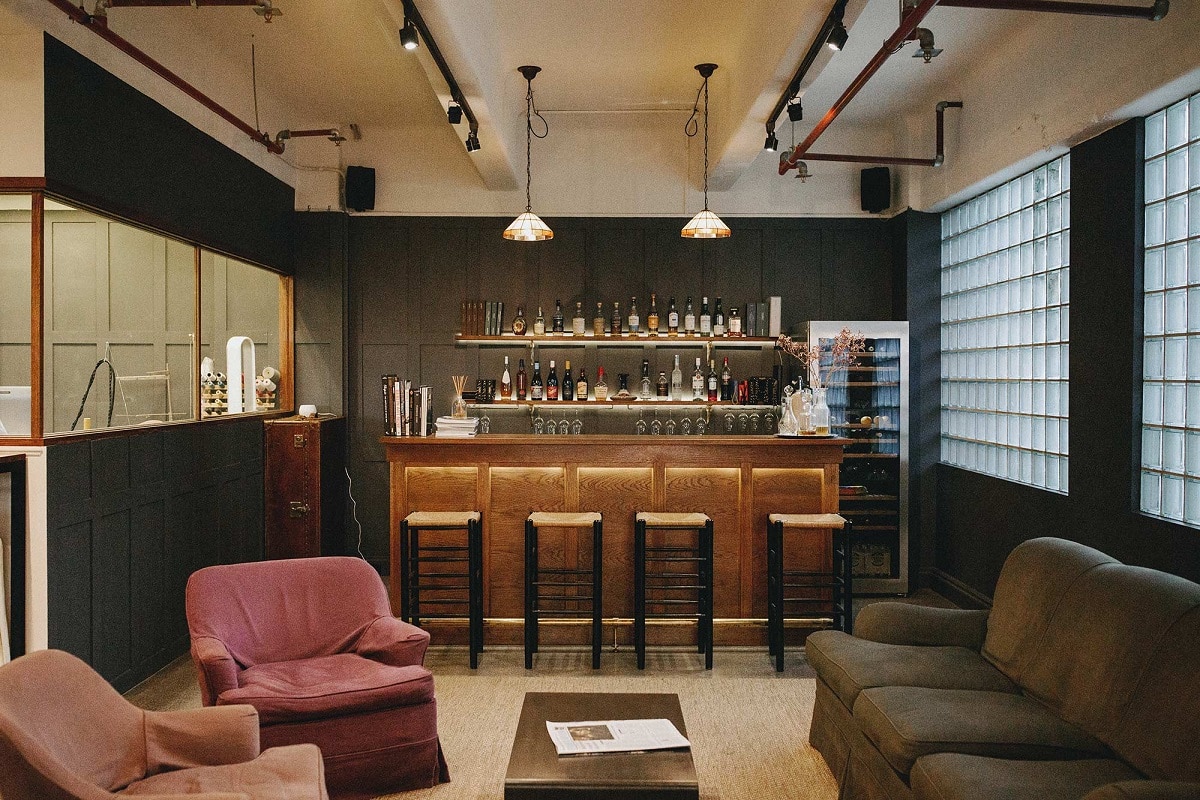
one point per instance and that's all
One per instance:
(713, 386)
(760, 319)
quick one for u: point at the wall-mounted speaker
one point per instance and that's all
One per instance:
(360, 188)
(875, 186)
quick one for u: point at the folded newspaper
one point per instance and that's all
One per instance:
(614, 736)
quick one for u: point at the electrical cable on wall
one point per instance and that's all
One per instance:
(112, 391)
(354, 512)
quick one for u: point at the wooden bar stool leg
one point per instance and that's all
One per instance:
(530, 577)
(772, 585)
(597, 590)
(414, 557)
(474, 595)
(639, 592)
(706, 541)
(404, 570)
(777, 627)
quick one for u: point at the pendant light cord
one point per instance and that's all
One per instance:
(692, 127)
(531, 112)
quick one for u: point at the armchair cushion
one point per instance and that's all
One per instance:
(394, 642)
(954, 776)
(905, 623)
(328, 686)
(1146, 790)
(281, 773)
(200, 737)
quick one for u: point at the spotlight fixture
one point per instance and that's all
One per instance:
(408, 35)
(837, 37)
(795, 109)
(772, 143)
(454, 113)
(528, 227)
(925, 48)
(472, 142)
(706, 224)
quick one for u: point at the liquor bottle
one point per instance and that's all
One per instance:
(558, 317)
(506, 382)
(522, 380)
(652, 316)
(698, 382)
(616, 319)
(712, 380)
(689, 319)
(676, 381)
(539, 323)
(535, 385)
(598, 320)
(735, 322)
(726, 382)
(551, 382)
(518, 326)
(578, 323)
(600, 391)
(581, 385)
(705, 318)
(718, 320)
(661, 387)
(673, 319)
(635, 322)
(646, 391)
(568, 383)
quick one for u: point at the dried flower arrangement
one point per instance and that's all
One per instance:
(842, 354)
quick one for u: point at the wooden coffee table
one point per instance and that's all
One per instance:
(535, 770)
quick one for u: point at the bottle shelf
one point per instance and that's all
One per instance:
(623, 340)
(621, 402)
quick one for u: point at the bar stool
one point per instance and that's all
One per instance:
(668, 583)
(839, 582)
(563, 582)
(446, 585)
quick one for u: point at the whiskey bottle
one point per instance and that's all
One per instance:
(705, 318)
(535, 385)
(522, 380)
(506, 382)
(539, 324)
(673, 319)
(635, 321)
(661, 387)
(581, 385)
(652, 317)
(645, 392)
(598, 320)
(558, 317)
(689, 319)
(735, 322)
(718, 320)
(616, 319)
(551, 382)
(568, 383)
(726, 382)
(600, 391)
(712, 380)
(676, 381)
(518, 326)
(578, 323)
(698, 382)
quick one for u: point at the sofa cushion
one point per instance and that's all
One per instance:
(849, 665)
(956, 776)
(907, 722)
(314, 688)
(281, 773)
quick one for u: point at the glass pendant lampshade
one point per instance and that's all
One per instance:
(528, 227)
(706, 224)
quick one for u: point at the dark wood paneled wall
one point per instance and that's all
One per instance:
(129, 517)
(408, 275)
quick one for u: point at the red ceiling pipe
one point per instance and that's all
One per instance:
(1154, 13)
(95, 26)
(907, 26)
(938, 159)
(157, 3)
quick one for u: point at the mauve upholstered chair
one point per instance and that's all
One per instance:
(311, 643)
(66, 734)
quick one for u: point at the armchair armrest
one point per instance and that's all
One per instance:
(393, 642)
(200, 737)
(904, 623)
(217, 670)
(1146, 790)
(204, 796)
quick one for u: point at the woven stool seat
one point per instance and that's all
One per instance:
(665, 519)
(813, 521)
(559, 589)
(563, 519)
(441, 519)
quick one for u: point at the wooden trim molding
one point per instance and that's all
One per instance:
(22, 184)
(287, 344)
(37, 316)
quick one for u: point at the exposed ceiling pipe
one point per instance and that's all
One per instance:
(907, 26)
(793, 88)
(100, 29)
(261, 7)
(938, 159)
(1154, 13)
(411, 13)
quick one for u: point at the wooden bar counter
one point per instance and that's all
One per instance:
(736, 480)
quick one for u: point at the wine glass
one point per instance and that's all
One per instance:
(640, 426)
(485, 424)
(729, 422)
(743, 422)
(755, 422)
(685, 426)
(670, 426)
(564, 426)
(701, 426)
(577, 425)
(656, 426)
(539, 425)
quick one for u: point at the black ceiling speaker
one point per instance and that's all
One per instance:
(360, 188)
(875, 186)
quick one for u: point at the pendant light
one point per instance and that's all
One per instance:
(529, 226)
(706, 224)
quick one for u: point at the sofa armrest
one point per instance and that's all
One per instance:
(202, 796)
(217, 671)
(200, 737)
(904, 623)
(394, 642)
(1146, 790)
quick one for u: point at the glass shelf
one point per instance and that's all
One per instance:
(621, 403)
(624, 340)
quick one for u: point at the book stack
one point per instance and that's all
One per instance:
(482, 318)
(407, 409)
(456, 427)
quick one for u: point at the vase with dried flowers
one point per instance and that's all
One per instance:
(822, 363)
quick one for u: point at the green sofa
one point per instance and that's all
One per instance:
(1082, 681)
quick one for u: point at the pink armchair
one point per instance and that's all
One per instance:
(65, 733)
(313, 646)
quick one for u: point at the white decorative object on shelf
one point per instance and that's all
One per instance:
(239, 366)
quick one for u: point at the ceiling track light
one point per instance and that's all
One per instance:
(453, 113)
(528, 227)
(408, 36)
(414, 22)
(772, 143)
(790, 97)
(706, 224)
(472, 142)
(838, 37)
(795, 110)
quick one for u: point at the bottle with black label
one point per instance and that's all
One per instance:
(652, 316)
(662, 389)
(558, 317)
(518, 326)
(726, 382)
(718, 320)
(673, 319)
(705, 318)
(581, 385)
(552, 382)
(568, 383)
(689, 319)
(535, 385)
(539, 323)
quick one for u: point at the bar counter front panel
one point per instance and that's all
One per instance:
(736, 480)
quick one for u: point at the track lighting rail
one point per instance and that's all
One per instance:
(938, 159)
(793, 88)
(1154, 13)
(413, 15)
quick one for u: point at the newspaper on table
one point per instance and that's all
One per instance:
(614, 736)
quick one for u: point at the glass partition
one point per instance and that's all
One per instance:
(119, 324)
(16, 230)
(241, 307)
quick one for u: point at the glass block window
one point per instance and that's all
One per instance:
(1171, 327)
(1005, 323)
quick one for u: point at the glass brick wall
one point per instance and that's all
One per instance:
(1005, 326)
(1170, 484)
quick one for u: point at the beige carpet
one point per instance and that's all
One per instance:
(748, 725)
